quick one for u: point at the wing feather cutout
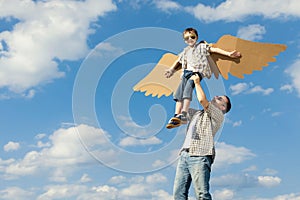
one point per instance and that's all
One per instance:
(255, 56)
(155, 83)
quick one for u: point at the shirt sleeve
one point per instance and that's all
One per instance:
(180, 55)
(215, 113)
(204, 49)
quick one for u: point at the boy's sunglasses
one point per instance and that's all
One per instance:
(189, 37)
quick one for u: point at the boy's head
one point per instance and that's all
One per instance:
(190, 36)
(190, 30)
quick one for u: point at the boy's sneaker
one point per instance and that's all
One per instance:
(180, 118)
(176, 121)
(173, 124)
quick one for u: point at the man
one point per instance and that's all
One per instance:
(198, 152)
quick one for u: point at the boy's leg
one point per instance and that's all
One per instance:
(184, 110)
(186, 105)
(178, 107)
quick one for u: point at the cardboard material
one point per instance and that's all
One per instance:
(255, 56)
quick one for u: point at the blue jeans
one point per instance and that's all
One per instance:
(186, 86)
(196, 170)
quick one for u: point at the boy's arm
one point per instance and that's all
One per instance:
(231, 54)
(175, 67)
(199, 91)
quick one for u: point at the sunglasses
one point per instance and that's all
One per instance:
(189, 37)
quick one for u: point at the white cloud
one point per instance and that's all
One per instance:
(65, 156)
(291, 196)
(40, 144)
(238, 88)
(15, 193)
(233, 123)
(237, 123)
(237, 10)
(224, 194)
(269, 181)
(101, 192)
(134, 129)
(167, 5)
(135, 191)
(158, 163)
(62, 191)
(249, 88)
(245, 181)
(116, 180)
(131, 141)
(276, 114)
(46, 32)
(287, 87)
(294, 72)
(228, 154)
(11, 146)
(251, 32)
(250, 169)
(259, 89)
(156, 178)
(85, 178)
(40, 136)
(62, 157)
(138, 187)
(234, 180)
(161, 194)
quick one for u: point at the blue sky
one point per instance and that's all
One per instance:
(73, 128)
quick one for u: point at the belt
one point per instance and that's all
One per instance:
(186, 150)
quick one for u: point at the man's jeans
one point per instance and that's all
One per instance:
(194, 169)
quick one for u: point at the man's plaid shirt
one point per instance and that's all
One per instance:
(208, 123)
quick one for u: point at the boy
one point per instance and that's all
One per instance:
(194, 61)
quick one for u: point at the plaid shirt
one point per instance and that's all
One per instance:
(199, 60)
(208, 123)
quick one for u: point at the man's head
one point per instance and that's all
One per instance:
(222, 102)
(190, 36)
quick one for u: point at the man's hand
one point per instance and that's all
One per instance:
(234, 54)
(195, 78)
(169, 73)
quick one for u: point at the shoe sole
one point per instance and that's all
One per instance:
(175, 119)
(169, 126)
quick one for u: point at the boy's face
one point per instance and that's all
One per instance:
(190, 38)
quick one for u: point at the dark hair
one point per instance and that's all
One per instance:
(228, 106)
(191, 30)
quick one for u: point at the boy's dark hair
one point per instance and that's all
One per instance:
(228, 107)
(191, 30)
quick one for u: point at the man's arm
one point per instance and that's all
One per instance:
(231, 54)
(199, 91)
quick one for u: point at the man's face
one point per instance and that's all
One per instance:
(190, 38)
(220, 102)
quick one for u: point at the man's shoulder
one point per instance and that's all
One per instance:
(215, 112)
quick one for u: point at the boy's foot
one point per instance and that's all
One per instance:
(173, 124)
(176, 121)
(180, 118)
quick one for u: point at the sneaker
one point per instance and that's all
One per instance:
(180, 118)
(173, 124)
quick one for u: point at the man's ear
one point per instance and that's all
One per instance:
(223, 108)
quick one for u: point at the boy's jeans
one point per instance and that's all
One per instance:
(194, 169)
